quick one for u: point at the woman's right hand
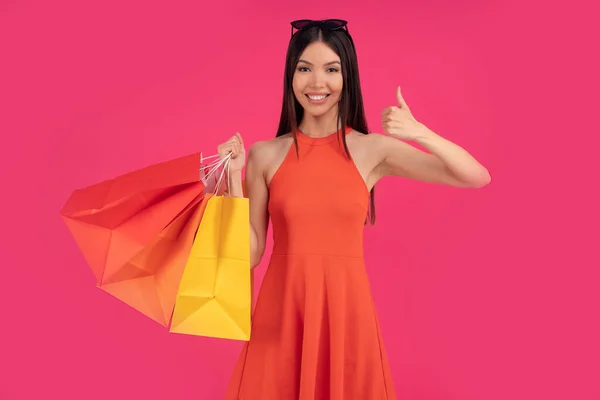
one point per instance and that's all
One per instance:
(235, 146)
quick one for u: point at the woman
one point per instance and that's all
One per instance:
(315, 333)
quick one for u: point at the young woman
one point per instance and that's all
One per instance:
(315, 332)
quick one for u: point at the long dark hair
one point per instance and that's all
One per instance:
(350, 108)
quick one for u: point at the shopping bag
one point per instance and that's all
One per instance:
(215, 293)
(113, 220)
(148, 282)
(136, 231)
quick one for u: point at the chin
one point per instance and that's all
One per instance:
(316, 111)
(313, 112)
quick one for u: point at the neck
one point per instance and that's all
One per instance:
(319, 126)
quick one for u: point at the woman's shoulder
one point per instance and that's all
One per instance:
(368, 139)
(269, 145)
(267, 149)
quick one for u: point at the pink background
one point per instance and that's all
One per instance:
(485, 294)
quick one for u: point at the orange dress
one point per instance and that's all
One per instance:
(315, 334)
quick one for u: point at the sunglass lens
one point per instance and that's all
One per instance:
(334, 24)
(301, 23)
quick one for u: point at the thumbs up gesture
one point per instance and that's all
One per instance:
(399, 121)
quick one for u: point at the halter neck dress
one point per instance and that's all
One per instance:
(315, 334)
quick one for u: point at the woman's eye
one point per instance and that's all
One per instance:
(306, 69)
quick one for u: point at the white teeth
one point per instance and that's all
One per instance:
(317, 98)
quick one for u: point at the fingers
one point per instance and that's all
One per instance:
(396, 113)
(237, 141)
(392, 125)
(390, 114)
(234, 145)
(387, 112)
(237, 134)
(229, 147)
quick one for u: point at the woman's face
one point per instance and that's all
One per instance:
(318, 79)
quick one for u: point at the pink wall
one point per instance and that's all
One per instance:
(485, 294)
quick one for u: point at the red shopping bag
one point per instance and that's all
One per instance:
(136, 231)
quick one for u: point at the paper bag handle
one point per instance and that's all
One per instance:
(213, 167)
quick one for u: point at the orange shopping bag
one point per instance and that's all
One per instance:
(215, 293)
(136, 231)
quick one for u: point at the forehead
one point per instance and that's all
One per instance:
(319, 53)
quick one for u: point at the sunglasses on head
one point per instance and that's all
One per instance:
(326, 24)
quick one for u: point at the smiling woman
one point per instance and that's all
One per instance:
(315, 332)
(318, 74)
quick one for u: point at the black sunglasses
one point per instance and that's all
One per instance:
(326, 24)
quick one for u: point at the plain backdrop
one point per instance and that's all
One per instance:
(487, 294)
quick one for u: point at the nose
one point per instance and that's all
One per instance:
(317, 79)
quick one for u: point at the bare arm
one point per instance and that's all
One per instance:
(447, 163)
(257, 193)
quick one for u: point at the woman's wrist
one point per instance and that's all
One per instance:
(235, 179)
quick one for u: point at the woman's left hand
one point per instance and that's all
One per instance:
(399, 121)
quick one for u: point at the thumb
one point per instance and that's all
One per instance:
(401, 102)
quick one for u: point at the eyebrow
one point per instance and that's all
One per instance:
(309, 63)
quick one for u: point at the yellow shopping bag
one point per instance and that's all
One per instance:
(215, 293)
